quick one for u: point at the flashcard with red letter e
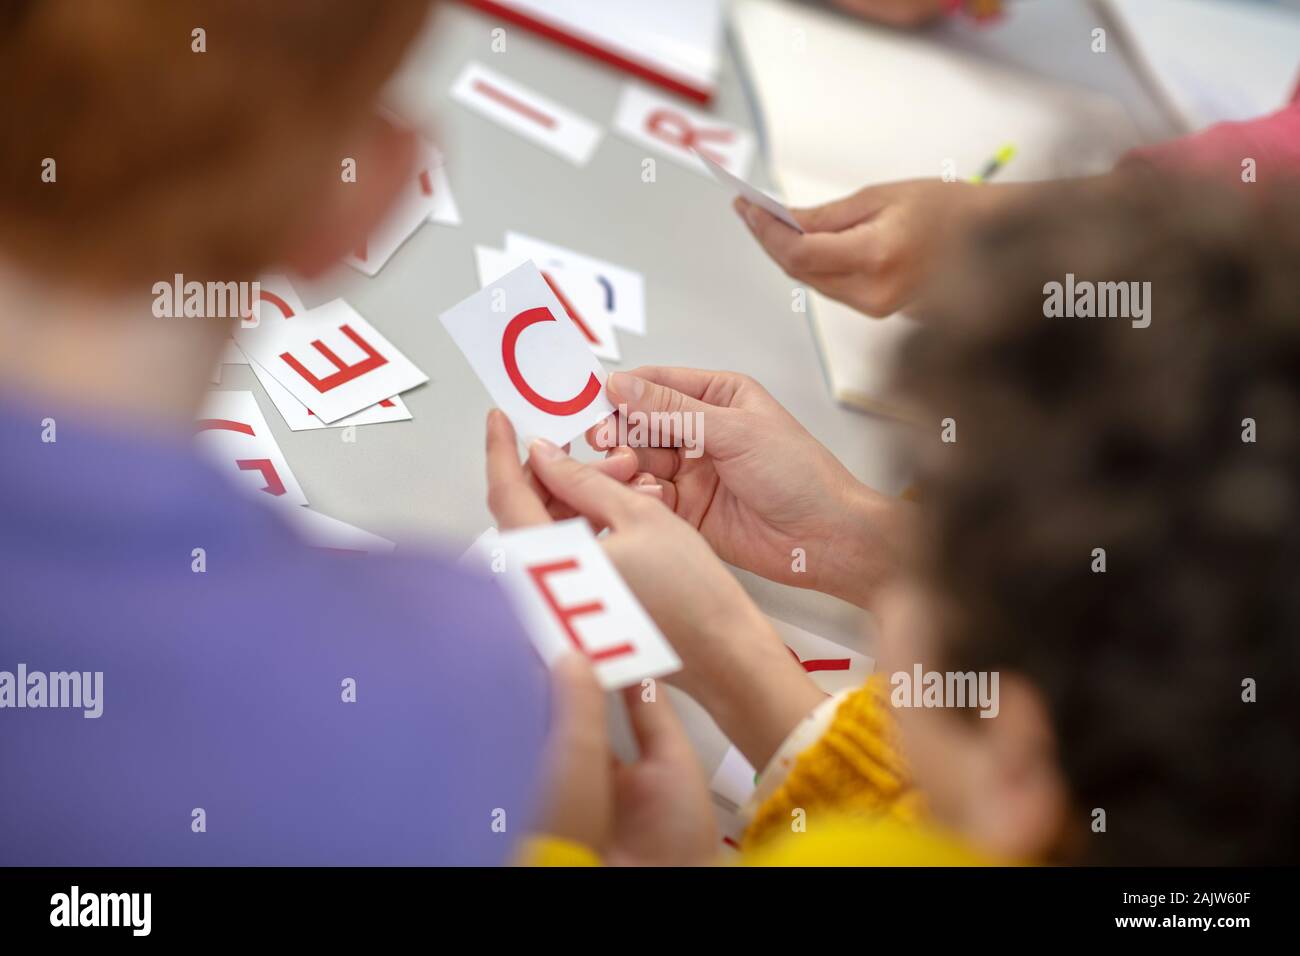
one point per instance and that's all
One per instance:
(527, 113)
(571, 599)
(331, 359)
(278, 301)
(666, 126)
(232, 431)
(533, 361)
(621, 291)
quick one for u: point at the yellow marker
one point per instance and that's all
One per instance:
(1000, 159)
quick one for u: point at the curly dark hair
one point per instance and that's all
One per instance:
(1080, 433)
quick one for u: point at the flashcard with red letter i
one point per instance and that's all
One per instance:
(527, 113)
(664, 125)
(533, 361)
(232, 431)
(570, 598)
(620, 291)
(579, 293)
(330, 359)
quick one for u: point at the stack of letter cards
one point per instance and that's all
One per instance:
(570, 598)
(330, 359)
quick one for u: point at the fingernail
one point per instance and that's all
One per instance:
(751, 215)
(629, 388)
(651, 487)
(544, 450)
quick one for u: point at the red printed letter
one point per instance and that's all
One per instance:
(345, 373)
(538, 573)
(517, 325)
(672, 127)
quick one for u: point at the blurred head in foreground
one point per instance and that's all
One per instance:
(195, 138)
(1113, 528)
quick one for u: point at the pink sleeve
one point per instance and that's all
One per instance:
(1273, 141)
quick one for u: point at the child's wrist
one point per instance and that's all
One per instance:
(757, 693)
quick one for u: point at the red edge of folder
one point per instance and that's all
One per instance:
(551, 32)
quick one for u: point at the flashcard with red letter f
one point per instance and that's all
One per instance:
(532, 359)
(570, 598)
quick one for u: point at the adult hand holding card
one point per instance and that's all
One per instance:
(532, 359)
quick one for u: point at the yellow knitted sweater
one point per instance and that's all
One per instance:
(847, 801)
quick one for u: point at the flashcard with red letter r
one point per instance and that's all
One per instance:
(532, 359)
(570, 598)
(664, 125)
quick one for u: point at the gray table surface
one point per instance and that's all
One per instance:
(713, 298)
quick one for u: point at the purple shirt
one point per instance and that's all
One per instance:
(223, 690)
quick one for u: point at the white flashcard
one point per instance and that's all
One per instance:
(623, 291)
(330, 534)
(570, 598)
(533, 361)
(434, 182)
(731, 830)
(675, 131)
(756, 196)
(331, 359)
(416, 202)
(832, 667)
(579, 292)
(232, 431)
(276, 299)
(527, 113)
(733, 781)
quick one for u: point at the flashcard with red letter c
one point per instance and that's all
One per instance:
(535, 364)
(570, 598)
(664, 125)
